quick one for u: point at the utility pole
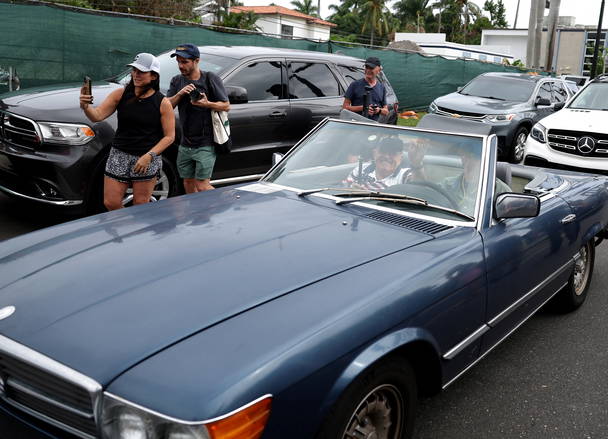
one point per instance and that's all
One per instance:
(516, 15)
(531, 28)
(538, 32)
(552, 24)
(597, 42)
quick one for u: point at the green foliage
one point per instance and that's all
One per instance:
(239, 20)
(306, 7)
(77, 3)
(497, 11)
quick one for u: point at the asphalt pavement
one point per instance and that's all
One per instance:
(548, 380)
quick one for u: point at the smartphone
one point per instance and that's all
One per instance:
(87, 86)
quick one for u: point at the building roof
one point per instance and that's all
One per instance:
(280, 10)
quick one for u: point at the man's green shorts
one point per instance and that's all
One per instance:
(196, 162)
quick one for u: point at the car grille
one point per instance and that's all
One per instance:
(443, 111)
(18, 130)
(581, 143)
(45, 395)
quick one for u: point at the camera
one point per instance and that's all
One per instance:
(195, 95)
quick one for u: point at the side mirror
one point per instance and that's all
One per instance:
(237, 95)
(276, 158)
(513, 205)
(542, 102)
(558, 106)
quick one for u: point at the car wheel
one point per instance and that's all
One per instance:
(519, 143)
(574, 293)
(166, 186)
(380, 404)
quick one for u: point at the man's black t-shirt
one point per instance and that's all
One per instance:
(356, 93)
(197, 129)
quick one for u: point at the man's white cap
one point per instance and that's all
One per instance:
(146, 62)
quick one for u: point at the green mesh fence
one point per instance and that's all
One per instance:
(47, 45)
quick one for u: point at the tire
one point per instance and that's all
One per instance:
(167, 186)
(573, 295)
(516, 153)
(379, 404)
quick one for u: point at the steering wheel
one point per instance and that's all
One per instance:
(435, 187)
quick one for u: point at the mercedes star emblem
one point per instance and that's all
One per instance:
(6, 312)
(586, 144)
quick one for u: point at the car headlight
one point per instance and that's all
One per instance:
(65, 133)
(539, 133)
(499, 117)
(124, 420)
(433, 107)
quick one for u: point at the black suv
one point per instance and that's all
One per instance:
(49, 153)
(510, 103)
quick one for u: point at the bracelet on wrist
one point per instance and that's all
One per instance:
(152, 154)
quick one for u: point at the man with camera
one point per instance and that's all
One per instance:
(196, 94)
(367, 96)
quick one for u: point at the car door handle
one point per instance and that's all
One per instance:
(278, 115)
(568, 219)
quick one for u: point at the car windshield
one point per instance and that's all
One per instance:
(422, 172)
(592, 97)
(506, 89)
(168, 68)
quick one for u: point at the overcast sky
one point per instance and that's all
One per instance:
(585, 11)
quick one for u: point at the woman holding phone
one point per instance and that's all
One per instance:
(146, 127)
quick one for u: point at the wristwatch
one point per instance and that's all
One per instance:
(152, 154)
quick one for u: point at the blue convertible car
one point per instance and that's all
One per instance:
(372, 264)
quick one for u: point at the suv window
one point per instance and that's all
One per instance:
(545, 91)
(351, 74)
(261, 79)
(504, 88)
(559, 92)
(311, 80)
(593, 97)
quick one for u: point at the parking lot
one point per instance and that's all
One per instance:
(545, 381)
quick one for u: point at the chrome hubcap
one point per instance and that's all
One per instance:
(378, 416)
(581, 271)
(160, 192)
(519, 146)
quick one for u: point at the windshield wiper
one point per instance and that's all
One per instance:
(492, 97)
(397, 198)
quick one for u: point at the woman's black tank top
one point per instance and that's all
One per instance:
(139, 125)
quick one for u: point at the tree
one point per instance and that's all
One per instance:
(376, 18)
(306, 7)
(240, 20)
(497, 13)
(412, 12)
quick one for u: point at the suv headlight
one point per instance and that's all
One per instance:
(65, 133)
(122, 419)
(499, 117)
(433, 107)
(539, 133)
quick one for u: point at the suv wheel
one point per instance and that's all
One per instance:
(516, 153)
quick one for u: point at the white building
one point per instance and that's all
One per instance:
(287, 22)
(514, 41)
(435, 43)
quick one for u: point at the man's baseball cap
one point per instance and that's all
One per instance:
(187, 51)
(372, 62)
(146, 62)
(391, 145)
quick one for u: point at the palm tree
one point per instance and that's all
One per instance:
(305, 6)
(376, 17)
(411, 11)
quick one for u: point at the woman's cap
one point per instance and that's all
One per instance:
(189, 51)
(146, 62)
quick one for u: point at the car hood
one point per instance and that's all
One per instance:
(45, 103)
(103, 293)
(474, 104)
(577, 120)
